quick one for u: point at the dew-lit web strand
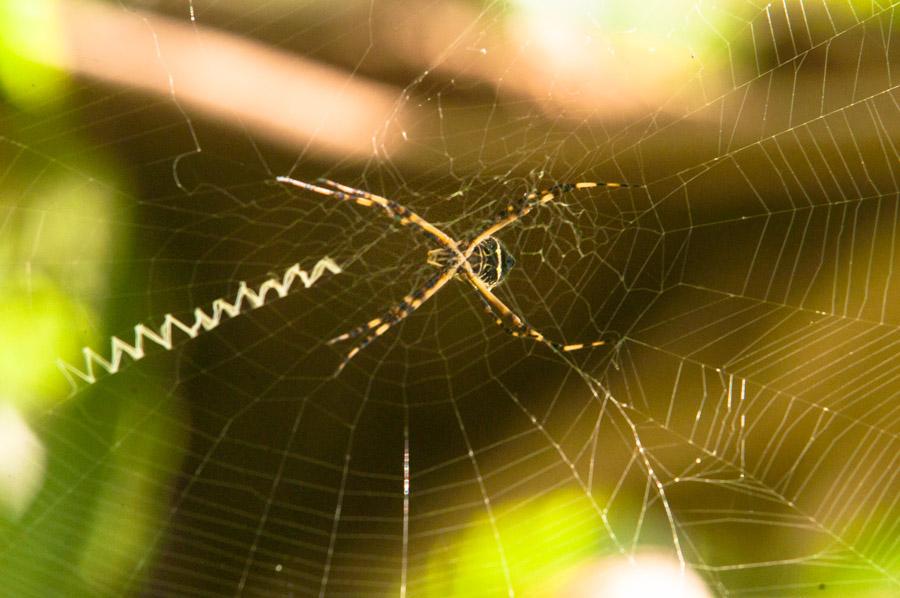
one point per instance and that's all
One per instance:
(485, 497)
(404, 558)
(723, 425)
(339, 502)
(793, 397)
(173, 96)
(845, 340)
(746, 84)
(774, 137)
(651, 472)
(176, 503)
(820, 265)
(273, 489)
(570, 465)
(798, 340)
(587, 491)
(718, 455)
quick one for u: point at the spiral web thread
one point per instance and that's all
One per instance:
(203, 321)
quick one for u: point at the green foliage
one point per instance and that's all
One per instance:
(541, 540)
(31, 44)
(38, 323)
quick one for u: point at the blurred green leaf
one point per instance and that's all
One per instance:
(31, 40)
(38, 324)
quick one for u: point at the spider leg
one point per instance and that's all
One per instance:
(378, 326)
(516, 326)
(522, 207)
(513, 212)
(353, 190)
(399, 213)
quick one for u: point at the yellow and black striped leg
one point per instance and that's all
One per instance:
(530, 201)
(354, 191)
(516, 326)
(372, 329)
(378, 326)
(398, 213)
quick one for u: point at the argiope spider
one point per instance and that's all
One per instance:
(483, 261)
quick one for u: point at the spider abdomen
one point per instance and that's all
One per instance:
(491, 261)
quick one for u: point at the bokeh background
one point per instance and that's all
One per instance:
(737, 435)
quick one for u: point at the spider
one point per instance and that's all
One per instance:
(483, 261)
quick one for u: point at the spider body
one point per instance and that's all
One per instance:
(490, 261)
(483, 262)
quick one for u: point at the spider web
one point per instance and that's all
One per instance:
(743, 428)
